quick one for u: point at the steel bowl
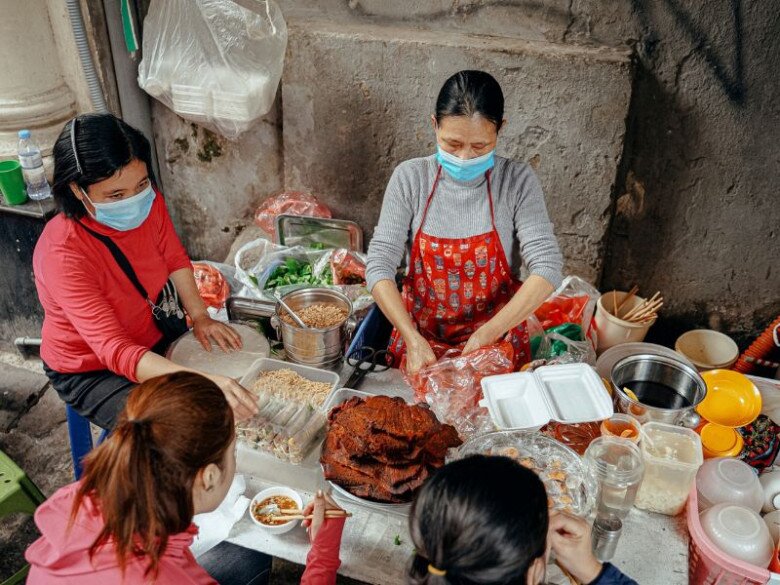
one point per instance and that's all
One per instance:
(675, 373)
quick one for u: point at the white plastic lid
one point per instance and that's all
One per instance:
(571, 393)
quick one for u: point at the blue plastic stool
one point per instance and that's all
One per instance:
(80, 433)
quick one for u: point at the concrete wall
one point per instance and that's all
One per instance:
(351, 114)
(687, 205)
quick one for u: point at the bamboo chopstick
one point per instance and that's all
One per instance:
(311, 516)
(642, 306)
(294, 512)
(614, 301)
(651, 309)
(629, 296)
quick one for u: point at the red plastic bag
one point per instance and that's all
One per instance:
(212, 286)
(288, 203)
(347, 267)
(561, 309)
(453, 385)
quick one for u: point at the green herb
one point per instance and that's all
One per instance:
(317, 246)
(397, 540)
(296, 272)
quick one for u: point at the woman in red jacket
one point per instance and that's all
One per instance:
(108, 267)
(129, 520)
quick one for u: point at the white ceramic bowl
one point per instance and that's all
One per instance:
(724, 480)
(739, 532)
(772, 521)
(708, 349)
(276, 491)
(770, 482)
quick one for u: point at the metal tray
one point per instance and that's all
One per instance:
(246, 308)
(296, 230)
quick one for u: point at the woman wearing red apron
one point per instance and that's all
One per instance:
(462, 214)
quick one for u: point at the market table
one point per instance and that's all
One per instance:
(376, 547)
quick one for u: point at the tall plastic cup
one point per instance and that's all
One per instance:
(12, 182)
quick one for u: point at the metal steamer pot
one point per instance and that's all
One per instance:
(319, 348)
(663, 370)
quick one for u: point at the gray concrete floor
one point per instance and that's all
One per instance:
(33, 432)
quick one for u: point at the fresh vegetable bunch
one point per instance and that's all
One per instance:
(297, 272)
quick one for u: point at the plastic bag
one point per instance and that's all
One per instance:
(573, 302)
(575, 351)
(288, 203)
(212, 285)
(348, 267)
(453, 386)
(260, 261)
(213, 62)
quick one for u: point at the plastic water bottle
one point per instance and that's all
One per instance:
(32, 168)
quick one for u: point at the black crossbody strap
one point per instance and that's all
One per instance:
(121, 260)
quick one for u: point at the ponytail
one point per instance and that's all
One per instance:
(141, 478)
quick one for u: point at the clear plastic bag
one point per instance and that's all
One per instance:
(288, 203)
(453, 386)
(576, 351)
(259, 262)
(214, 62)
(573, 302)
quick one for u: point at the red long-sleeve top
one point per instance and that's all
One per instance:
(95, 319)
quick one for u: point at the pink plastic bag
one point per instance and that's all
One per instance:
(288, 203)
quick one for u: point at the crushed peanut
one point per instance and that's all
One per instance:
(288, 385)
(318, 315)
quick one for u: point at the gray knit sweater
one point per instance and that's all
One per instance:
(461, 209)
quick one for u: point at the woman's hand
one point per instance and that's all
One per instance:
(241, 400)
(207, 330)
(317, 508)
(480, 338)
(418, 354)
(569, 537)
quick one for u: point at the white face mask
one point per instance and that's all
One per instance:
(125, 214)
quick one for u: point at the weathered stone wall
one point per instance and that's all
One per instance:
(351, 114)
(690, 210)
(212, 185)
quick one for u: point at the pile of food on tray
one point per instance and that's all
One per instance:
(382, 449)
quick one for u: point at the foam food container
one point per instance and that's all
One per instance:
(570, 393)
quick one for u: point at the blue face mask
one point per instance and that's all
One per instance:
(125, 214)
(465, 170)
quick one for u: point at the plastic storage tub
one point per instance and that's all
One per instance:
(672, 456)
(288, 429)
(708, 565)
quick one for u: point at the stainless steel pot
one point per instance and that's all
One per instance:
(663, 370)
(320, 348)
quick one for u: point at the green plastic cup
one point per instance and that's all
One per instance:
(12, 182)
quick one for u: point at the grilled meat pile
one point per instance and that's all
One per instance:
(382, 449)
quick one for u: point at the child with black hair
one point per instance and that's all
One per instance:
(485, 520)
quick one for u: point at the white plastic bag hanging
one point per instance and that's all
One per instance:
(214, 62)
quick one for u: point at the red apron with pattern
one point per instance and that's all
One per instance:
(455, 285)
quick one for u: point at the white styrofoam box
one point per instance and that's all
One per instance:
(570, 393)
